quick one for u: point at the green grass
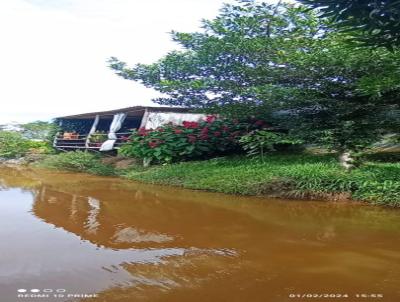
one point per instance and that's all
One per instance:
(77, 162)
(294, 176)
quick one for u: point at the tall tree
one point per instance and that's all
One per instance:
(285, 63)
(371, 22)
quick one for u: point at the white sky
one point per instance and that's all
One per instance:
(53, 52)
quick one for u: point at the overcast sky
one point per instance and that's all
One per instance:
(53, 52)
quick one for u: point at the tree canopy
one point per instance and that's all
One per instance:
(371, 22)
(284, 63)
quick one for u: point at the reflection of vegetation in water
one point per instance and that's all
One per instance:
(17, 178)
(283, 212)
(133, 235)
(145, 199)
(163, 211)
(160, 203)
(175, 276)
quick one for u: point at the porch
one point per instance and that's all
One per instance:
(90, 131)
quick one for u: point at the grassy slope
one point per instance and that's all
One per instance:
(282, 175)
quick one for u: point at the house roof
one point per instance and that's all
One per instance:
(130, 111)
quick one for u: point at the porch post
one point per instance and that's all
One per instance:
(92, 130)
(144, 118)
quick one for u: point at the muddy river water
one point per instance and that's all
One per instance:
(74, 237)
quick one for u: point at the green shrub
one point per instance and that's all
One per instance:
(40, 147)
(98, 137)
(172, 143)
(260, 141)
(13, 145)
(77, 161)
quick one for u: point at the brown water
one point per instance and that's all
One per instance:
(125, 241)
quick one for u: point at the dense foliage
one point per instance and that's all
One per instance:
(204, 139)
(13, 145)
(285, 64)
(260, 141)
(372, 22)
(77, 161)
(288, 176)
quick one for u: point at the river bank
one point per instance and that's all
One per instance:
(297, 176)
(283, 176)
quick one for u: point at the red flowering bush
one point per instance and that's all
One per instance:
(171, 143)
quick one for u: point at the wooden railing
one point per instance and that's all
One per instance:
(82, 141)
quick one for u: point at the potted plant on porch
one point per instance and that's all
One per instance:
(97, 139)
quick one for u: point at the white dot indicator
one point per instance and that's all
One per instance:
(35, 290)
(21, 290)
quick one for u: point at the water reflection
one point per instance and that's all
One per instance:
(98, 221)
(133, 242)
